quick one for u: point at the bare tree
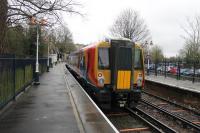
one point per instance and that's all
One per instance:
(61, 39)
(13, 12)
(63, 34)
(20, 10)
(191, 48)
(130, 25)
(64, 39)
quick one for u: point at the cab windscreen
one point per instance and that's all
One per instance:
(103, 58)
(138, 59)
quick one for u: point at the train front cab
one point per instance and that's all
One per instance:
(116, 74)
(139, 77)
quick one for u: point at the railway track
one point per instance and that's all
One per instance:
(185, 119)
(173, 102)
(185, 98)
(172, 123)
(138, 121)
(125, 122)
(161, 119)
(193, 116)
(156, 125)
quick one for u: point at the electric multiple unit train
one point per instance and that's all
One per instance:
(112, 70)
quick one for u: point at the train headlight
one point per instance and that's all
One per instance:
(100, 79)
(139, 80)
(100, 75)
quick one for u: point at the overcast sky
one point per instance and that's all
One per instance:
(163, 17)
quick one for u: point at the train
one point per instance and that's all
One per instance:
(112, 71)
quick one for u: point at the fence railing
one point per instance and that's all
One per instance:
(179, 70)
(15, 75)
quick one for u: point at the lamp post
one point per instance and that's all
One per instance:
(37, 62)
(42, 22)
(148, 54)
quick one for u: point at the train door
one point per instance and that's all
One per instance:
(121, 64)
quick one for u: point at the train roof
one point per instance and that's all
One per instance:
(121, 38)
(106, 40)
(86, 47)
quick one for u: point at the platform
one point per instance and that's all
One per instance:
(181, 84)
(48, 108)
(92, 118)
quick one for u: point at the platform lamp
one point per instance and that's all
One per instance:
(148, 54)
(38, 24)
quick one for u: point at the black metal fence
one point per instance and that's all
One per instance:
(15, 75)
(179, 70)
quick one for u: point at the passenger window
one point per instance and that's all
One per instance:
(82, 62)
(103, 58)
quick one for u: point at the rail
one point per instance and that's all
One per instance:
(152, 122)
(171, 102)
(184, 121)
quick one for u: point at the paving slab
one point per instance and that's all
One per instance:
(43, 109)
(182, 84)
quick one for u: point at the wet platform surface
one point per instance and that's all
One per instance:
(43, 109)
(92, 118)
(182, 84)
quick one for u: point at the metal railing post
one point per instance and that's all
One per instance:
(24, 63)
(14, 80)
(48, 57)
(156, 69)
(193, 78)
(165, 69)
(177, 72)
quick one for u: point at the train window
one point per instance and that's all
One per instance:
(103, 58)
(124, 58)
(138, 59)
(82, 62)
